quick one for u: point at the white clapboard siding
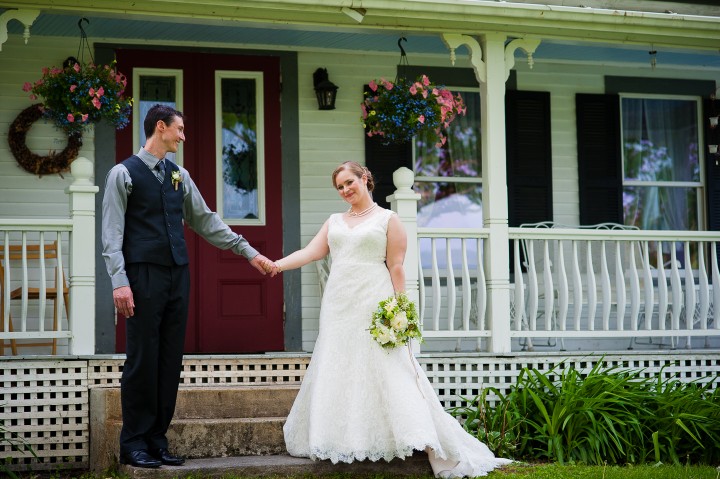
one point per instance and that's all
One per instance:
(22, 194)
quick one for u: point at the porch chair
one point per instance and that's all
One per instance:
(50, 252)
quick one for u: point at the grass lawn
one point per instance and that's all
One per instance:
(515, 471)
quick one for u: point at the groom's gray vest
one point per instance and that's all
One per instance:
(153, 218)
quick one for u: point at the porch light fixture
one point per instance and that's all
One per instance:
(325, 90)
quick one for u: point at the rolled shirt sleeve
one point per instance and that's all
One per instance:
(197, 215)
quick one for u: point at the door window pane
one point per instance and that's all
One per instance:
(241, 162)
(155, 86)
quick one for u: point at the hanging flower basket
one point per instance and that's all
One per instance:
(398, 111)
(78, 96)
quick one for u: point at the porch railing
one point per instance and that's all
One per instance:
(584, 283)
(625, 288)
(41, 259)
(33, 281)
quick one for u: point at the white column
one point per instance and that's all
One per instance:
(495, 207)
(82, 257)
(404, 203)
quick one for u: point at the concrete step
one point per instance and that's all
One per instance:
(216, 402)
(208, 423)
(282, 465)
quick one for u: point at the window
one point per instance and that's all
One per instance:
(662, 180)
(156, 85)
(449, 178)
(240, 157)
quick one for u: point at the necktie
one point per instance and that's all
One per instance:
(160, 166)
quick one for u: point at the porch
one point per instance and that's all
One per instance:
(635, 299)
(490, 289)
(56, 404)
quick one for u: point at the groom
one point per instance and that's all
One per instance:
(146, 200)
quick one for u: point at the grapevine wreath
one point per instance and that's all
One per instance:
(40, 165)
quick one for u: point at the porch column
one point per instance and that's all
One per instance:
(82, 258)
(495, 206)
(404, 203)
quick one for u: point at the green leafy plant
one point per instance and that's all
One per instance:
(606, 415)
(497, 427)
(76, 96)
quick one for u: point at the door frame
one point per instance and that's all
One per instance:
(290, 150)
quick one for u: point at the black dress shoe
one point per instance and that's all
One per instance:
(140, 458)
(166, 458)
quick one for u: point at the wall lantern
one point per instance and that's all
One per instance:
(325, 90)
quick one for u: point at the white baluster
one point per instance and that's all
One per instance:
(606, 288)
(591, 287)
(619, 288)
(577, 288)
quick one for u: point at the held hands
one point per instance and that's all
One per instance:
(265, 266)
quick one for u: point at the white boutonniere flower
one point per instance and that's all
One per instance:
(176, 178)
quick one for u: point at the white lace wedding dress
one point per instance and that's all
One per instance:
(358, 400)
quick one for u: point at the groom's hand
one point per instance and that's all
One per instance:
(264, 265)
(258, 262)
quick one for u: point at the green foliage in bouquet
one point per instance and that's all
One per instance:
(395, 322)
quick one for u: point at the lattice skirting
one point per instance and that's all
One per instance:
(45, 401)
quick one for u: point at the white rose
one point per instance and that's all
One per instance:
(399, 322)
(385, 335)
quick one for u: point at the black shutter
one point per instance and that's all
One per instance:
(382, 161)
(712, 136)
(529, 157)
(599, 158)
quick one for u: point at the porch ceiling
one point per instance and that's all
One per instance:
(568, 31)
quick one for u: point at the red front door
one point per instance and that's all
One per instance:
(231, 108)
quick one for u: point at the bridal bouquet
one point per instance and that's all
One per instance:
(395, 322)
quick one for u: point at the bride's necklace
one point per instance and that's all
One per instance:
(363, 212)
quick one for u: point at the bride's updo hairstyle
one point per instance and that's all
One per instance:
(356, 169)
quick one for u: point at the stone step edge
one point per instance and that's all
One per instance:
(219, 420)
(281, 465)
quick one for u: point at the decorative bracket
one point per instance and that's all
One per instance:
(26, 17)
(528, 45)
(454, 40)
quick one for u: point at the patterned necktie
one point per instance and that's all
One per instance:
(160, 166)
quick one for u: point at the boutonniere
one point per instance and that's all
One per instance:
(176, 178)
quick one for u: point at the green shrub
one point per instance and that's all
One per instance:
(605, 416)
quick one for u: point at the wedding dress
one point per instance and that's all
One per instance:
(361, 401)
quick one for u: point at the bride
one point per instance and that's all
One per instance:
(359, 400)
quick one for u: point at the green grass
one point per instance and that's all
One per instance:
(514, 471)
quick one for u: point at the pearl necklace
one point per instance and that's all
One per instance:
(362, 213)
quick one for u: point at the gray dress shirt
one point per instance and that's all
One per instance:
(197, 215)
